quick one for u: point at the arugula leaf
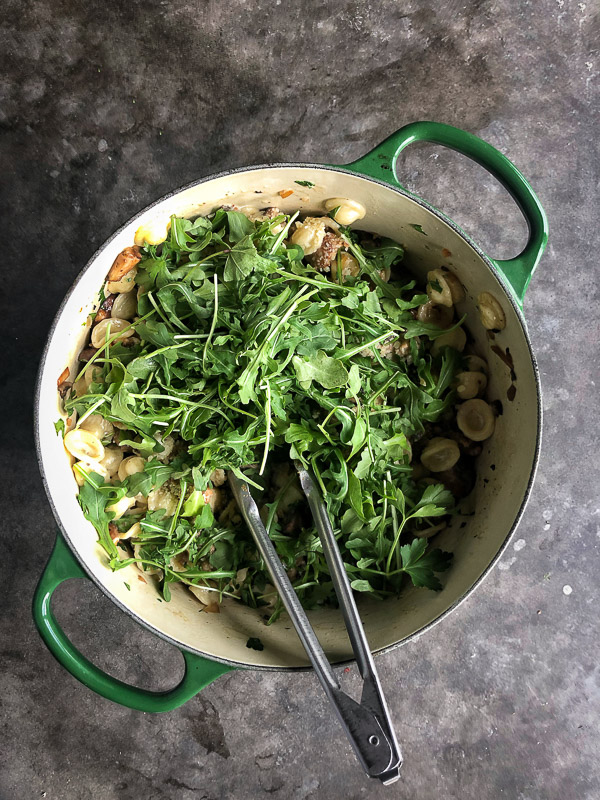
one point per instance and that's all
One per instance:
(243, 259)
(239, 226)
(329, 372)
(94, 502)
(59, 426)
(308, 184)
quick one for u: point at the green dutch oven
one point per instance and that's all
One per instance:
(213, 644)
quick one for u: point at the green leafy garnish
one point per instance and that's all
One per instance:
(308, 184)
(247, 357)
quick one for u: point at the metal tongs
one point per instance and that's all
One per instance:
(367, 724)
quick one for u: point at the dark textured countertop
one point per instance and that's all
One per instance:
(104, 108)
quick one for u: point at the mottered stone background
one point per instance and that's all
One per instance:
(106, 106)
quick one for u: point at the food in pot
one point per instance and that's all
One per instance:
(242, 341)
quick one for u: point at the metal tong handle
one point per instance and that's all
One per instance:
(367, 724)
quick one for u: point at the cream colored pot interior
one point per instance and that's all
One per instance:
(505, 467)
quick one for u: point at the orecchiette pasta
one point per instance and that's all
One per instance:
(433, 314)
(476, 420)
(456, 339)
(348, 211)
(440, 454)
(119, 507)
(218, 477)
(477, 364)
(108, 328)
(310, 233)
(444, 288)
(349, 267)
(470, 384)
(206, 596)
(131, 533)
(162, 498)
(124, 284)
(168, 443)
(111, 461)
(100, 427)
(83, 445)
(125, 306)
(95, 466)
(129, 466)
(490, 312)
(92, 375)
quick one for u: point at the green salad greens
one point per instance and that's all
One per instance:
(247, 357)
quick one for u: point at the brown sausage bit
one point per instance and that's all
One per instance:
(324, 257)
(62, 384)
(124, 262)
(87, 353)
(105, 309)
(271, 212)
(113, 532)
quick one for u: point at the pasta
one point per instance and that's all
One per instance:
(490, 312)
(108, 328)
(121, 506)
(476, 419)
(476, 364)
(124, 284)
(88, 466)
(130, 466)
(83, 445)
(310, 233)
(345, 211)
(125, 305)
(98, 426)
(444, 288)
(440, 454)
(433, 314)
(111, 461)
(470, 384)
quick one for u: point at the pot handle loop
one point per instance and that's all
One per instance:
(381, 163)
(199, 672)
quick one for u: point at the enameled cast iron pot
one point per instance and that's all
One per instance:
(213, 644)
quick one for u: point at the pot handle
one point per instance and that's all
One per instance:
(381, 163)
(61, 566)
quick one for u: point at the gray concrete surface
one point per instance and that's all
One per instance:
(107, 106)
